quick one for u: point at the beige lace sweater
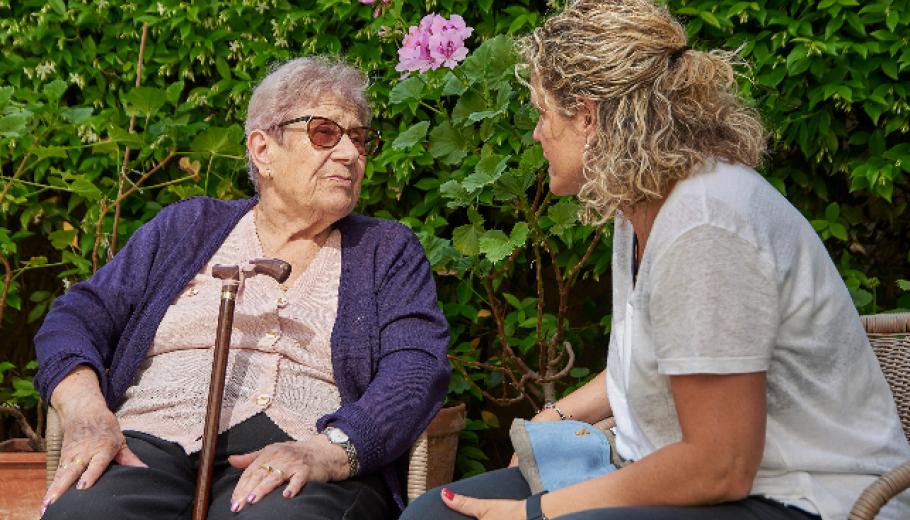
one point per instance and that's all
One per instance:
(280, 359)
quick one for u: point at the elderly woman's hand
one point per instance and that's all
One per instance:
(91, 440)
(297, 462)
(91, 434)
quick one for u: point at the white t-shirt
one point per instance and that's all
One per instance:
(735, 280)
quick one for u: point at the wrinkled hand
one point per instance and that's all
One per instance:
(484, 509)
(295, 462)
(91, 441)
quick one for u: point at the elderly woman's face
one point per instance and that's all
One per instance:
(563, 141)
(326, 180)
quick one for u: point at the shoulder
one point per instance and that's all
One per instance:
(205, 207)
(200, 212)
(361, 231)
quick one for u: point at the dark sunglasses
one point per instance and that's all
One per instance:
(325, 133)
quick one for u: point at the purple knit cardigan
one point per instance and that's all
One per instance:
(388, 344)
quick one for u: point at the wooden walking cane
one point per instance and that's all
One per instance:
(230, 284)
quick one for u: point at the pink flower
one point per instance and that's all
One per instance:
(435, 42)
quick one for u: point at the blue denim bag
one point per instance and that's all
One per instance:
(556, 454)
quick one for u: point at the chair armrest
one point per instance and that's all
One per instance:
(880, 492)
(417, 467)
(53, 442)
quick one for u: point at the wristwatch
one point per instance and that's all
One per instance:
(337, 436)
(532, 508)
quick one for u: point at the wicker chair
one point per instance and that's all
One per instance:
(889, 335)
(437, 444)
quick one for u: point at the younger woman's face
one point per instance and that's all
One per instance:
(563, 140)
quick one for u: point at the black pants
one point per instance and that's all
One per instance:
(509, 484)
(165, 489)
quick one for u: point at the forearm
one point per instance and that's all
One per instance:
(680, 474)
(77, 392)
(589, 403)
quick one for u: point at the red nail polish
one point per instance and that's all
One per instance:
(448, 493)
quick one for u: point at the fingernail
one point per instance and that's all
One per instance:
(80, 485)
(250, 498)
(235, 507)
(286, 493)
(448, 493)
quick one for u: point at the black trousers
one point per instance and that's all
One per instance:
(509, 484)
(165, 489)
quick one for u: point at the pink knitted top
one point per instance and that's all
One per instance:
(280, 359)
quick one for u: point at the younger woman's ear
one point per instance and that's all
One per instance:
(588, 112)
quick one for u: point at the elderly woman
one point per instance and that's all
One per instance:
(738, 373)
(331, 375)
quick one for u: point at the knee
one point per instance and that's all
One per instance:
(75, 504)
(427, 505)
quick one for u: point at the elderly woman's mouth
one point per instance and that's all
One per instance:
(340, 179)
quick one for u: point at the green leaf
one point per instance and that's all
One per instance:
(85, 188)
(411, 136)
(448, 143)
(410, 89)
(466, 239)
(6, 93)
(54, 90)
(58, 6)
(564, 214)
(43, 152)
(709, 18)
(144, 101)
(467, 104)
(832, 212)
(579, 372)
(14, 125)
(219, 140)
(455, 192)
(62, 238)
(496, 246)
(838, 230)
(173, 91)
(486, 172)
(77, 115)
(222, 67)
(491, 61)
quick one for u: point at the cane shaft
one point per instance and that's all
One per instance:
(216, 392)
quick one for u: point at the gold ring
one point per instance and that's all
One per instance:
(266, 467)
(280, 474)
(79, 461)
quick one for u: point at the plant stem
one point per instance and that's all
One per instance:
(112, 250)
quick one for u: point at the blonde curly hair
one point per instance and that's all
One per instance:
(663, 109)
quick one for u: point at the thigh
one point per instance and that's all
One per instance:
(366, 498)
(163, 490)
(752, 508)
(503, 483)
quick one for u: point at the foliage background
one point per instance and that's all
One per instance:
(458, 165)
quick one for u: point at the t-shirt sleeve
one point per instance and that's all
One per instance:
(714, 305)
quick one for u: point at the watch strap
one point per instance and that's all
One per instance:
(349, 450)
(532, 508)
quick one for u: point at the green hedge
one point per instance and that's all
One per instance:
(516, 278)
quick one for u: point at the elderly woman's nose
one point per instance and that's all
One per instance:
(346, 149)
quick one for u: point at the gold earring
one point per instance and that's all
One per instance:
(267, 173)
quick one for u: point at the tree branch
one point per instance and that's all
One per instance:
(112, 250)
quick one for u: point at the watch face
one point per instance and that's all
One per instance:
(336, 436)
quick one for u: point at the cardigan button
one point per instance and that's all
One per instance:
(282, 302)
(263, 399)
